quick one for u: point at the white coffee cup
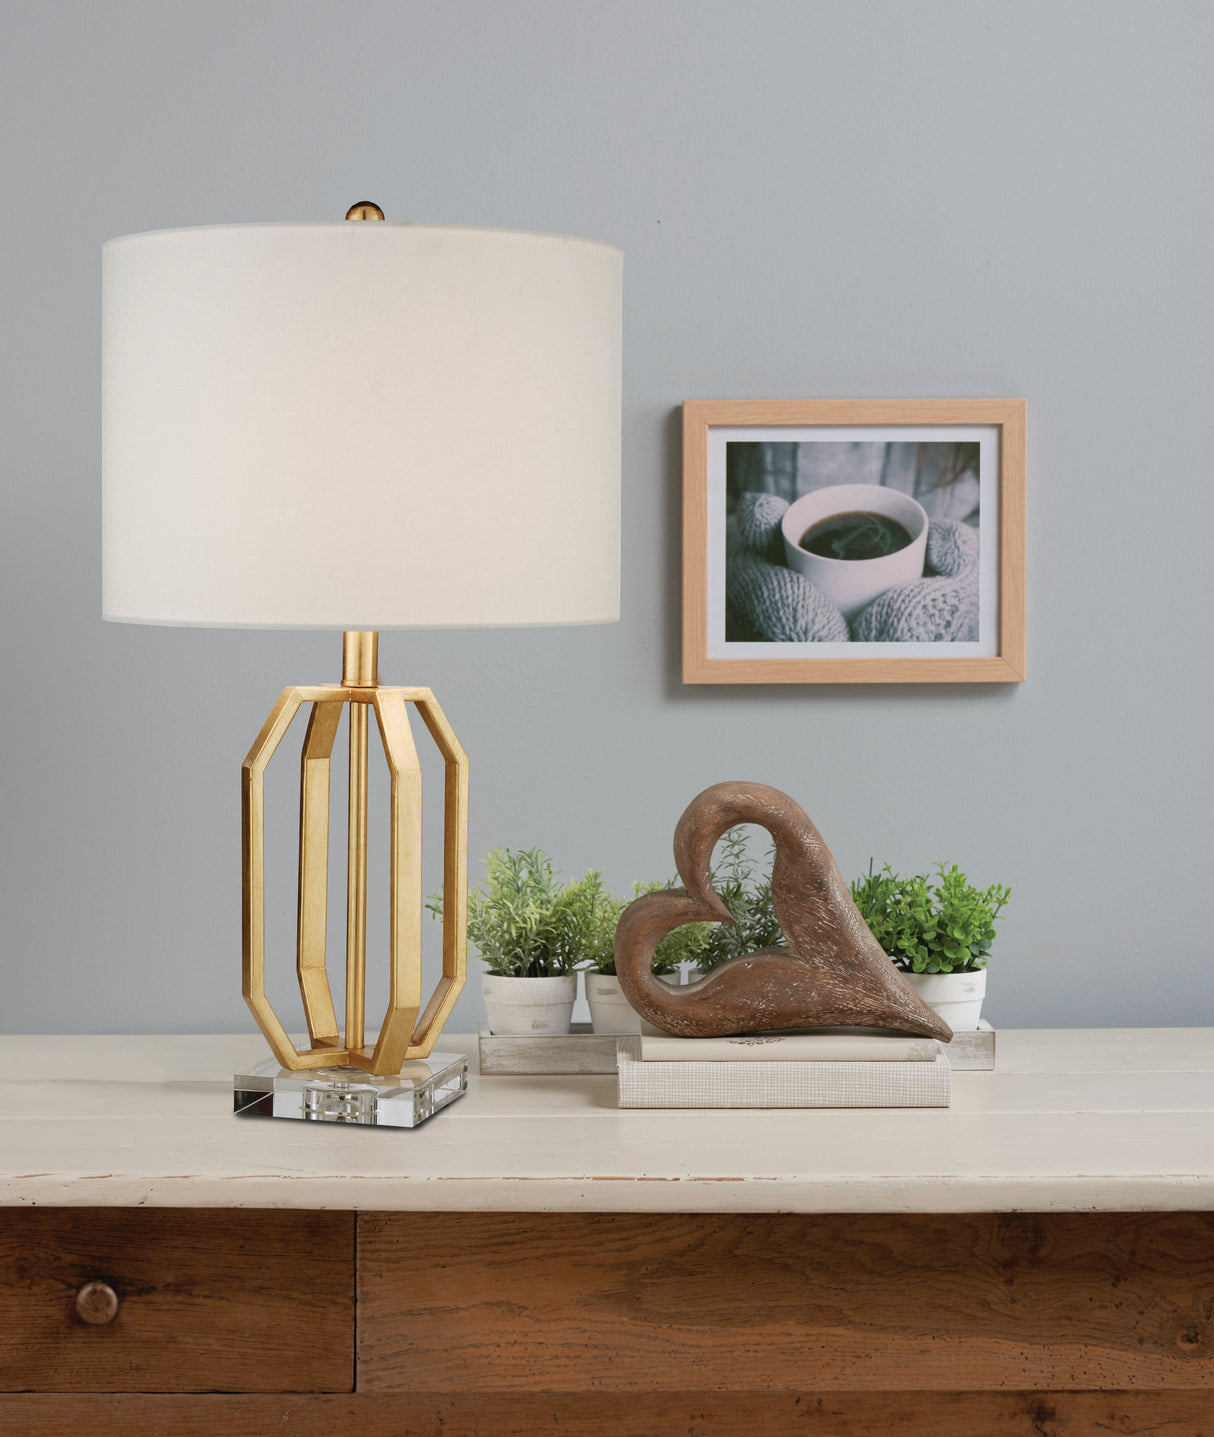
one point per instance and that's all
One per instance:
(854, 583)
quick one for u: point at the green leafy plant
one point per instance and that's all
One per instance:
(746, 892)
(526, 923)
(943, 928)
(681, 945)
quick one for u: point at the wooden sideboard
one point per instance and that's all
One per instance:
(1038, 1259)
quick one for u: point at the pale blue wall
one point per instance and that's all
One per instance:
(814, 199)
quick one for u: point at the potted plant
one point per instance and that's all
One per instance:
(939, 935)
(610, 1011)
(746, 892)
(531, 931)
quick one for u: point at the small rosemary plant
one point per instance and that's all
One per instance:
(746, 892)
(526, 923)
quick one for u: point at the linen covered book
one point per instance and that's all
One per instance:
(779, 1083)
(827, 1045)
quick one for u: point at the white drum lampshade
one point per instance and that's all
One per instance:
(360, 426)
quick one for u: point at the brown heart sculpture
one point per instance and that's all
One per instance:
(833, 974)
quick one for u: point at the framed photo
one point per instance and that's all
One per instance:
(853, 541)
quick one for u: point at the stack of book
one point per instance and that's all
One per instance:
(826, 1069)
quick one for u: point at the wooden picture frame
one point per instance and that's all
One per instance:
(977, 448)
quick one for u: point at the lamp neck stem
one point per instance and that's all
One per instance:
(359, 659)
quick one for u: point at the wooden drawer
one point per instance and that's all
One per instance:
(231, 1301)
(744, 1303)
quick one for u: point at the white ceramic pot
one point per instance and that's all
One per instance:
(610, 1011)
(957, 997)
(537, 1007)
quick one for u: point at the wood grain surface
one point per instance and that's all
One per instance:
(667, 1414)
(745, 1303)
(233, 1301)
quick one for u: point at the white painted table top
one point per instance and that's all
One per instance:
(1072, 1120)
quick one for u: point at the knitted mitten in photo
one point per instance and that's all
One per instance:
(777, 602)
(784, 607)
(939, 608)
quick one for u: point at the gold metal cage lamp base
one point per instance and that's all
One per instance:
(409, 1031)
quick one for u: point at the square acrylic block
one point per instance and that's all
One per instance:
(348, 1095)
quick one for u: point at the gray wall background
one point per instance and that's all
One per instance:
(815, 198)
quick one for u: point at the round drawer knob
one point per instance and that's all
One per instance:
(96, 1304)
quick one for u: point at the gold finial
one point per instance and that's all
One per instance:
(364, 210)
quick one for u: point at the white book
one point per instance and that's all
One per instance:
(779, 1084)
(820, 1047)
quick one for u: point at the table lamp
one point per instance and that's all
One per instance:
(359, 426)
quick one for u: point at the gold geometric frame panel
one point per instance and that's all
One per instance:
(408, 1031)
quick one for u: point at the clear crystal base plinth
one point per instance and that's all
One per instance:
(347, 1095)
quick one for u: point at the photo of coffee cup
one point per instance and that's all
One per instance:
(855, 541)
